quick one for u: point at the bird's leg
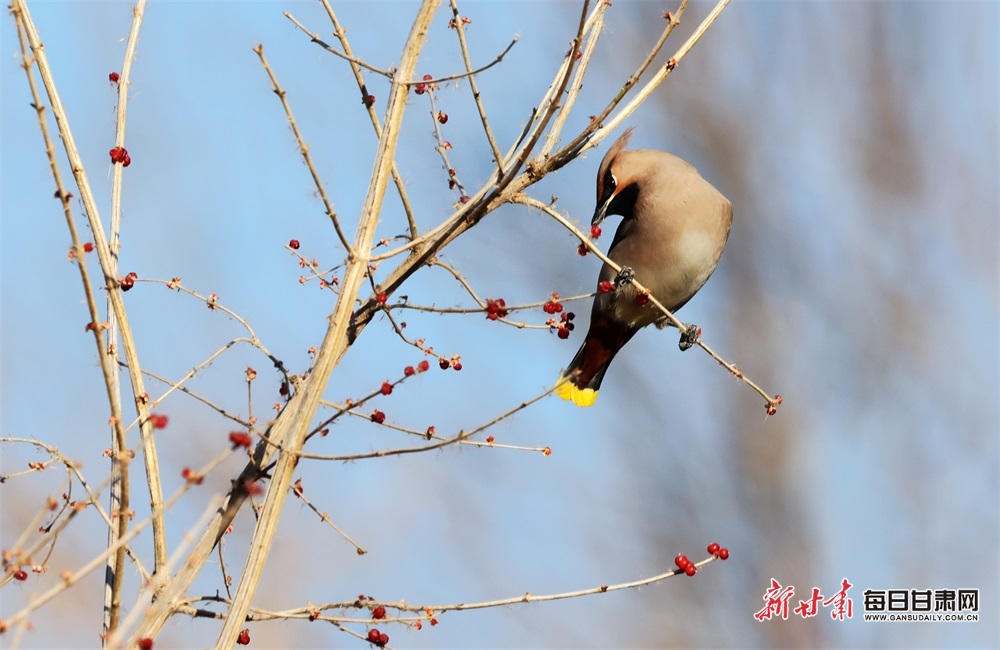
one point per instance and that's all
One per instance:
(625, 276)
(689, 337)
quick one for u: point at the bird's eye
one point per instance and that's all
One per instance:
(610, 182)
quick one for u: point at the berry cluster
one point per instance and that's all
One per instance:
(455, 362)
(377, 638)
(553, 306)
(689, 568)
(420, 89)
(718, 551)
(496, 308)
(120, 155)
(191, 477)
(158, 421)
(685, 565)
(565, 326)
(421, 367)
(128, 281)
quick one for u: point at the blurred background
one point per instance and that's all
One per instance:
(858, 143)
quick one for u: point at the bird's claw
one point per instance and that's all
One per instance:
(689, 337)
(625, 276)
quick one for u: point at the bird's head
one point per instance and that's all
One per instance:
(612, 177)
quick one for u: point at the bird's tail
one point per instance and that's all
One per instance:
(581, 380)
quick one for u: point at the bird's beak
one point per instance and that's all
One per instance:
(602, 210)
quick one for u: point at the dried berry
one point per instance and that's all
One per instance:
(240, 439)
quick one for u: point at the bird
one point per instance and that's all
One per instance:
(674, 227)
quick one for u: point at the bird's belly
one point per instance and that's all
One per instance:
(687, 266)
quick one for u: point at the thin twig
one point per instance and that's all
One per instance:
(347, 57)
(460, 29)
(459, 437)
(426, 611)
(397, 179)
(304, 150)
(597, 122)
(325, 518)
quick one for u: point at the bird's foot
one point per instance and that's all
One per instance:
(689, 337)
(625, 276)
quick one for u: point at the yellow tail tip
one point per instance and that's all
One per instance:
(579, 396)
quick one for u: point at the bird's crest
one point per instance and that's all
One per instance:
(616, 148)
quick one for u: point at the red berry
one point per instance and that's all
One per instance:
(420, 89)
(244, 637)
(605, 287)
(642, 298)
(373, 635)
(378, 417)
(463, 199)
(445, 364)
(145, 643)
(595, 231)
(557, 307)
(434, 621)
(562, 333)
(158, 421)
(386, 388)
(681, 561)
(117, 154)
(690, 569)
(240, 439)
(378, 612)
(427, 77)
(21, 575)
(442, 117)
(423, 366)
(457, 365)
(713, 548)
(88, 247)
(381, 298)
(294, 244)
(126, 161)
(581, 250)
(113, 77)
(408, 371)
(382, 639)
(723, 553)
